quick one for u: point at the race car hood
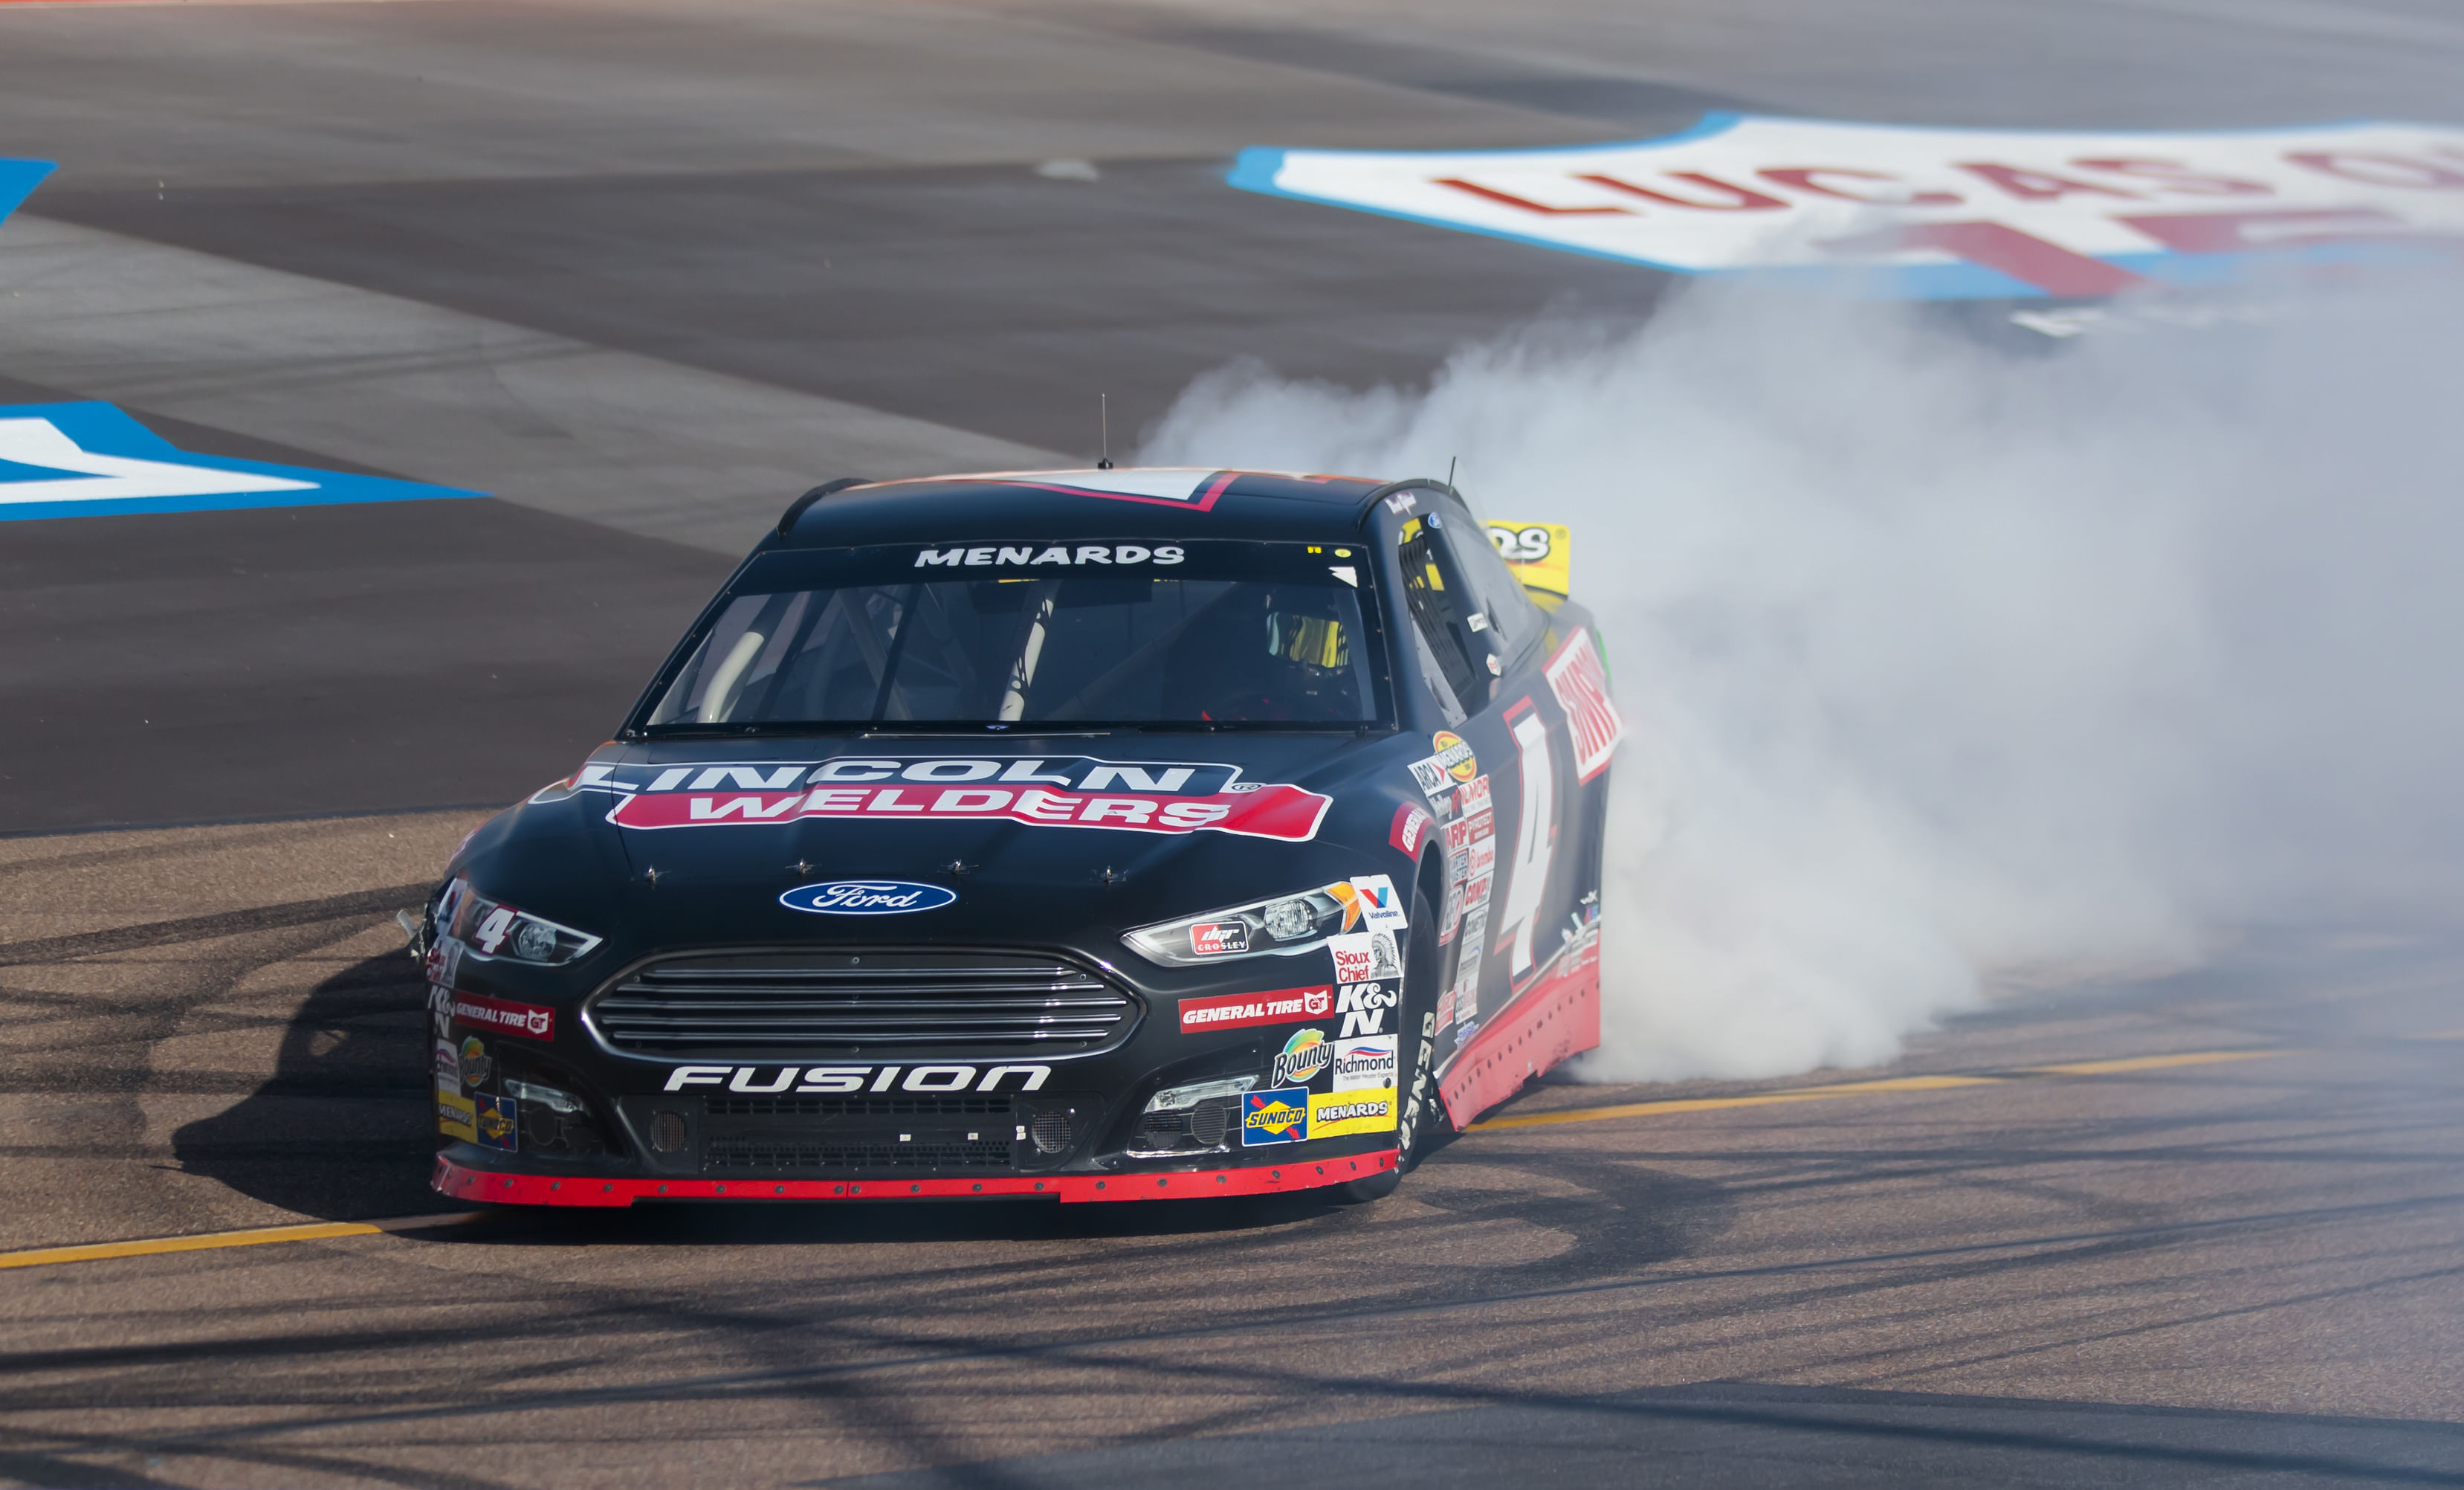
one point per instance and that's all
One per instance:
(1045, 840)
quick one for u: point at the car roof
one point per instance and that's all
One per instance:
(1128, 502)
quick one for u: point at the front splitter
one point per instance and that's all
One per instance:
(460, 1182)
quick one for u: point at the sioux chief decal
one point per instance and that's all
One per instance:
(1046, 792)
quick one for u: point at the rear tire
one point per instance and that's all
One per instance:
(1420, 1120)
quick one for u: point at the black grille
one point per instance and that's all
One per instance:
(755, 1154)
(776, 1006)
(855, 1106)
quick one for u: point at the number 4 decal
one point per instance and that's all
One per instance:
(1535, 835)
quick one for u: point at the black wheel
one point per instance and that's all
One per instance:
(1423, 1119)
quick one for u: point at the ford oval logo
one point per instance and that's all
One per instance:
(867, 898)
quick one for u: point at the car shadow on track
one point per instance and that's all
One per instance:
(340, 1131)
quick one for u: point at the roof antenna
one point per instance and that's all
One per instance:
(1450, 471)
(1103, 422)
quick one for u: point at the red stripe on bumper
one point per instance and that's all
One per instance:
(463, 1183)
(1556, 1017)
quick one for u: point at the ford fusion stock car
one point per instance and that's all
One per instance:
(1096, 834)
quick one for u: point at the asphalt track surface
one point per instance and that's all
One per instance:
(644, 271)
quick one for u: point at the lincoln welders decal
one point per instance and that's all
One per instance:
(1046, 792)
(62, 460)
(1928, 214)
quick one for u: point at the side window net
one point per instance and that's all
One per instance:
(1441, 608)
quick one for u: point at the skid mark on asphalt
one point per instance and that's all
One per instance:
(263, 1235)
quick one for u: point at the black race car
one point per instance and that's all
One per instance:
(1094, 835)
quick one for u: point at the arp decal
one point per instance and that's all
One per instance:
(1279, 1116)
(60, 460)
(771, 1080)
(533, 1021)
(1581, 685)
(868, 897)
(1928, 214)
(1339, 1113)
(1241, 1011)
(1042, 792)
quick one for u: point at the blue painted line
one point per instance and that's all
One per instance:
(18, 180)
(93, 460)
(1255, 168)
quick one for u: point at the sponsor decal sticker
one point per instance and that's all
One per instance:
(867, 898)
(447, 1065)
(1410, 827)
(498, 1122)
(534, 1021)
(1381, 904)
(1218, 938)
(1429, 774)
(1454, 753)
(1364, 957)
(474, 1062)
(1279, 1116)
(1303, 1056)
(768, 1080)
(1539, 553)
(1363, 1007)
(1472, 797)
(1032, 554)
(1446, 1008)
(456, 1116)
(1365, 1066)
(1040, 792)
(1928, 214)
(1241, 1011)
(1581, 685)
(440, 1008)
(1336, 1114)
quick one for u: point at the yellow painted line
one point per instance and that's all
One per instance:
(252, 1237)
(1914, 1083)
(2193, 1057)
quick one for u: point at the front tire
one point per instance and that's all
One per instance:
(1421, 1120)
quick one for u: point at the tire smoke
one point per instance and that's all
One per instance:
(1949, 665)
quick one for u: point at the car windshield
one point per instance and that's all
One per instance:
(1119, 633)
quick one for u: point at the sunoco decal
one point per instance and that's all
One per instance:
(1043, 791)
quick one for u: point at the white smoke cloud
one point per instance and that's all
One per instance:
(1948, 664)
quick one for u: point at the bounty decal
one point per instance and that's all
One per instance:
(1280, 1116)
(1536, 836)
(533, 1020)
(1303, 1056)
(1239, 1011)
(63, 461)
(1581, 685)
(770, 1080)
(1365, 1066)
(1929, 214)
(1336, 1114)
(1364, 957)
(474, 1062)
(1043, 791)
(1363, 1007)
